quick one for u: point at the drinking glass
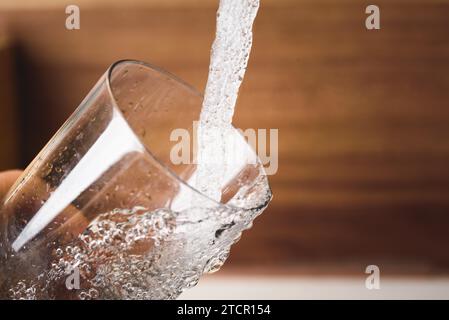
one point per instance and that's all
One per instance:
(104, 212)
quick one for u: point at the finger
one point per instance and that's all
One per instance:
(7, 179)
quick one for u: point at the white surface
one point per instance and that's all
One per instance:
(319, 287)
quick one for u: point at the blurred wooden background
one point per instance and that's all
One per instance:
(363, 116)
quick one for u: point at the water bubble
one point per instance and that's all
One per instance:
(93, 293)
(59, 252)
(84, 295)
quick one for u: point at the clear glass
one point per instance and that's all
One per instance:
(103, 202)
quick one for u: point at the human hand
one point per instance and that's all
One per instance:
(7, 178)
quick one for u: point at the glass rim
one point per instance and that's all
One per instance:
(194, 91)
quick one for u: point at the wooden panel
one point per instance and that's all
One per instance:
(362, 115)
(9, 131)
(87, 4)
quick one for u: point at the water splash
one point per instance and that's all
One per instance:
(141, 254)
